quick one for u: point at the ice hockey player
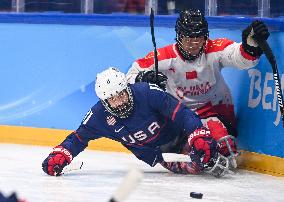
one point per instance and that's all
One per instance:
(190, 70)
(147, 121)
(12, 198)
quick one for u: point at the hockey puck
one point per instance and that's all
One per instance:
(196, 195)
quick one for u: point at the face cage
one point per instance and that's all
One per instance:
(232, 157)
(220, 168)
(186, 54)
(125, 111)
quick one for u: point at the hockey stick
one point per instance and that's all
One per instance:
(271, 58)
(173, 157)
(129, 183)
(71, 167)
(154, 42)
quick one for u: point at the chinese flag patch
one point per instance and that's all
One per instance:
(191, 75)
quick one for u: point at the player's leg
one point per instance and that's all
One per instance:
(226, 141)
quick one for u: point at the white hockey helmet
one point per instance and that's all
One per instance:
(109, 83)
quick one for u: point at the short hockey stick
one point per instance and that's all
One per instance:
(271, 58)
(71, 167)
(173, 157)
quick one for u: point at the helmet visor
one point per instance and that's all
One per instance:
(121, 104)
(192, 45)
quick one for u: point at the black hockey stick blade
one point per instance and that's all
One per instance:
(271, 58)
(154, 42)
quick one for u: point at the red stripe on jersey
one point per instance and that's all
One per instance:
(175, 111)
(246, 55)
(225, 110)
(191, 75)
(75, 133)
(217, 45)
(166, 52)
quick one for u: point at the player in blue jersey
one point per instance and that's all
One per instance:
(144, 119)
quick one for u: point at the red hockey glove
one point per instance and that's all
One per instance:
(203, 147)
(56, 161)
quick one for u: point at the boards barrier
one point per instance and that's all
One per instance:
(49, 63)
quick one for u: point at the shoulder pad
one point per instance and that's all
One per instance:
(164, 53)
(217, 45)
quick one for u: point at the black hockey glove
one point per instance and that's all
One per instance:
(256, 30)
(150, 77)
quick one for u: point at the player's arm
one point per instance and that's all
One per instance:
(76, 142)
(170, 107)
(142, 70)
(246, 54)
(137, 74)
(133, 72)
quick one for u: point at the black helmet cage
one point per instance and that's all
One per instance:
(191, 23)
(125, 110)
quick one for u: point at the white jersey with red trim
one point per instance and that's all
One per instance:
(198, 83)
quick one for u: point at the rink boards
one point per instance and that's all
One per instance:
(49, 63)
(51, 137)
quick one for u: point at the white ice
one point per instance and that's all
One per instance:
(20, 171)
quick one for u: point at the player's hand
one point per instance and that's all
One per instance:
(260, 30)
(56, 161)
(150, 77)
(203, 147)
(256, 31)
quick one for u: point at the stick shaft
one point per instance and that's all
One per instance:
(271, 58)
(173, 157)
(154, 42)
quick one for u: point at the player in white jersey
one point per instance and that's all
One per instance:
(190, 70)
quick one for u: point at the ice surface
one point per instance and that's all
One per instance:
(20, 171)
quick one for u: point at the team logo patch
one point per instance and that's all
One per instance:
(151, 55)
(111, 120)
(191, 75)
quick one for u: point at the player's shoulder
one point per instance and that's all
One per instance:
(144, 87)
(139, 87)
(163, 53)
(217, 45)
(94, 114)
(98, 108)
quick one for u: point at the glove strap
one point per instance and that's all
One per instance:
(65, 152)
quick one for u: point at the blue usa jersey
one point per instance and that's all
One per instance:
(156, 121)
